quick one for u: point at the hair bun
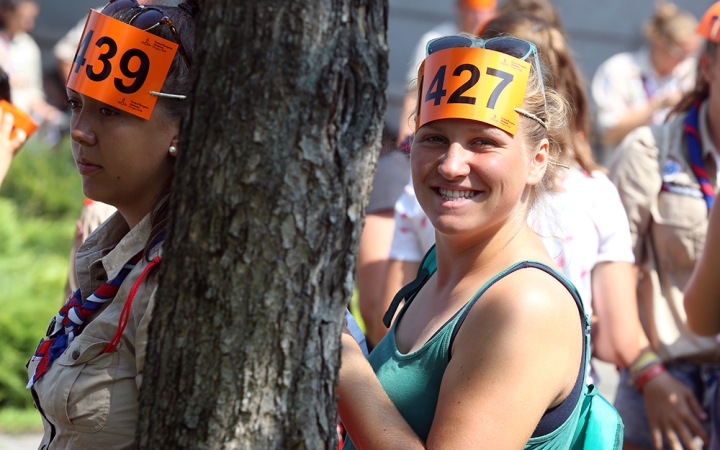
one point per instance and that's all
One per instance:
(191, 7)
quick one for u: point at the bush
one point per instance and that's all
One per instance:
(39, 203)
(44, 181)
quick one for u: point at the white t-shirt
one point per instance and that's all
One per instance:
(584, 224)
(629, 80)
(414, 234)
(20, 57)
(444, 29)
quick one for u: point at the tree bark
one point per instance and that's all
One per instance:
(274, 169)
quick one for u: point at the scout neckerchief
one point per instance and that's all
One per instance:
(692, 135)
(72, 316)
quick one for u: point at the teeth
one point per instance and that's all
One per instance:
(448, 194)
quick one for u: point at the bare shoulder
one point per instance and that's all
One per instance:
(522, 333)
(530, 294)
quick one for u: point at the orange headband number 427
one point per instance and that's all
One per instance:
(119, 65)
(472, 83)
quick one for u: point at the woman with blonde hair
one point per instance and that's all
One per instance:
(488, 319)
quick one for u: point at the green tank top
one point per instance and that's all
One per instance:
(412, 380)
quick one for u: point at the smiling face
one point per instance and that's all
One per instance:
(123, 159)
(471, 178)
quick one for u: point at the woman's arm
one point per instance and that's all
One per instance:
(368, 415)
(702, 293)
(618, 336)
(399, 274)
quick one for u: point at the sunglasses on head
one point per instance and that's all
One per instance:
(512, 46)
(147, 18)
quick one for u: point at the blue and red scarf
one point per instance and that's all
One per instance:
(70, 320)
(692, 136)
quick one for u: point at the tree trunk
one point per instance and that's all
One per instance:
(274, 168)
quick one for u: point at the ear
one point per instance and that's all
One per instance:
(706, 67)
(538, 163)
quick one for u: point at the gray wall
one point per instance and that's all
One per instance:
(597, 30)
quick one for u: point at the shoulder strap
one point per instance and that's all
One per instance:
(521, 265)
(428, 266)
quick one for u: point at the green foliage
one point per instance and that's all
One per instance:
(14, 420)
(40, 201)
(44, 181)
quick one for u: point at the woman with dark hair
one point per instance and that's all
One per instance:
(667, 177)
(86, 374)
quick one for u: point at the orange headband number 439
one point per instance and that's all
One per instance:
(119, 65)
(472, 83)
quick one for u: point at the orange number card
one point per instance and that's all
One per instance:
(119, 64)
(709, 25)
(22, 119)
(472, 83)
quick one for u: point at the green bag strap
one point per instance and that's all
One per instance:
(428, 266)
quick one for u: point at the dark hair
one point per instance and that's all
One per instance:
(701, 90)
(9, 6)
(564, 76)
(176, 82)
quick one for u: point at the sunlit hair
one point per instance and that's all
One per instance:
(553, 110)
(563, 76)
(176, 82)
(544, 9)
(670, 24)
(701, 90)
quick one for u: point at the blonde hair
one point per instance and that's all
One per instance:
(565, 78)
(670, 24)
(553, 109)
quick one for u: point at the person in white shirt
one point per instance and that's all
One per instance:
(638, 88)
(20, 57)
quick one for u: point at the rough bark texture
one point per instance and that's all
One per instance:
(274, 169)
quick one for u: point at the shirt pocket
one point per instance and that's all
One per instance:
(679, 229)
(84, 384)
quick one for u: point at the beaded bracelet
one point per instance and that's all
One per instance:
(649, 375)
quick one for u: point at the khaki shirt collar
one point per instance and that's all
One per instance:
(115, 244)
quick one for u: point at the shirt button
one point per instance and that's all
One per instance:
(76, 354)
(101, 277)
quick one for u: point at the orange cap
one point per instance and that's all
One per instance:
(479, 4)
(709, 26)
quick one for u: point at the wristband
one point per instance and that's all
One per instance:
(645, 360)
(649, 375)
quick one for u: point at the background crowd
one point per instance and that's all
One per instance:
(668, 372)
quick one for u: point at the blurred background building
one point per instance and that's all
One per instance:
(597, 30)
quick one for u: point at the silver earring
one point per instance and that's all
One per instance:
(172, 150)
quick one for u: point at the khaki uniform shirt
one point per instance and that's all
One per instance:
(89, 399)
(668, 229)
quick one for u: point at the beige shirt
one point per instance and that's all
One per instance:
(668, 229)
(89, 399)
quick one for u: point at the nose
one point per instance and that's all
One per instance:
(454, 163)
(81, 131)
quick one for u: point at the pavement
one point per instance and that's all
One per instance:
(607, 386)
(20, 441)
